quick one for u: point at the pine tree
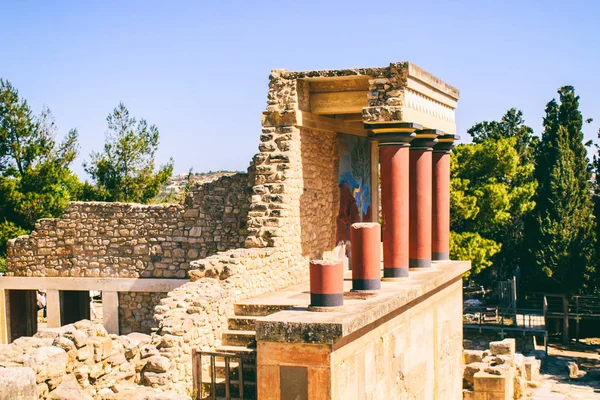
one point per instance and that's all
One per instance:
(561, 230)
(596, 193)
(125, 170)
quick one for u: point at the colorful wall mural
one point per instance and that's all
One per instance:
(354, 181)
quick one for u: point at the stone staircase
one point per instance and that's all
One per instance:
(240, 338)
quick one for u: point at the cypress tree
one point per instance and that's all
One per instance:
(561, 230)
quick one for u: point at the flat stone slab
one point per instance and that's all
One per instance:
(299, 325)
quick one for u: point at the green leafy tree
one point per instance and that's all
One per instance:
(35, 176)
(125, 170)
(511, 125)
(491, 192)
(561, 230)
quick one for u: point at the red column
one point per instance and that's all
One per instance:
(421, 198)
(366, 258)
(440, 245)
(326, 283)
(394, 168)
(394, 156)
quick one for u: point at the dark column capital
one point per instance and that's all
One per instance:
(425, 139)
(445, 143)
(393, 133)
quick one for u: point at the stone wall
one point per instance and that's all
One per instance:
(414, 355)
(195, 315)
(320, 199)
(123, 240)
(136, 311)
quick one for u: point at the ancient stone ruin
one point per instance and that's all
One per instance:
(226, 272)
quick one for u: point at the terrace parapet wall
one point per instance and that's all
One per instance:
(125, 240)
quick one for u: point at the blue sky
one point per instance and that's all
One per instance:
(199, 70)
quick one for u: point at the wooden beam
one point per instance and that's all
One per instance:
(338, 102)
(313, 121)
(341, 84)
(357, 117)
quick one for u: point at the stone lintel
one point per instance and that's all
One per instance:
(83, 284)
(335, 328)
(419, 74)
(407, 70)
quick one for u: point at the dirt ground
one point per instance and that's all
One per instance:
(570, 372)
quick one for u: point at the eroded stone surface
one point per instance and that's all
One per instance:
(18, 384)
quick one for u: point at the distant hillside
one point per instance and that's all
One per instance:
(174, 189)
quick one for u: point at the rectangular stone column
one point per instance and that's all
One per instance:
(374, 181)
(3, 318)
(53, 308)
(110, 311)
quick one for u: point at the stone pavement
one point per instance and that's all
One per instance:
(584, 383)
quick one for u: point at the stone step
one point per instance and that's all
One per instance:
(237, 349)
(241, 323)
(234, 370)
(239, 338)
(234, 388)
(258, 310)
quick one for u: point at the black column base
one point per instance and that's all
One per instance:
(395, 272)
(419, 262)
(326, 300)
(366, 284)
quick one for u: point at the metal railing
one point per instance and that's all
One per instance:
(212, 382)
(522, 319)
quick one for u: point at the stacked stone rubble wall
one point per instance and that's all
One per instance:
(136, 311)
(124, 240)
(84, 360)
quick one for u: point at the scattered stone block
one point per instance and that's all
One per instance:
(18, 384)
(472, 356)
(102, 347)
(494, 385)
(506, 346)
(532, 369)
(469, 371)
(47, 362)
(158, 364)
(69, 390)
(148, 350)
(573, 369)
(520, 386)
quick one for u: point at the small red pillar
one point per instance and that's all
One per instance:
(440, 245)
(394, 141)
(326, 283)
(421, 198)
(366, 258)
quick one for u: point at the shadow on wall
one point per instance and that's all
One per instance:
(319, 201)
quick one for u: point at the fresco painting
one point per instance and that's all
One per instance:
(354, 181)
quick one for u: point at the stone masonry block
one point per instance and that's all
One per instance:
(506, 346)
(471, 356)
(485, 382)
